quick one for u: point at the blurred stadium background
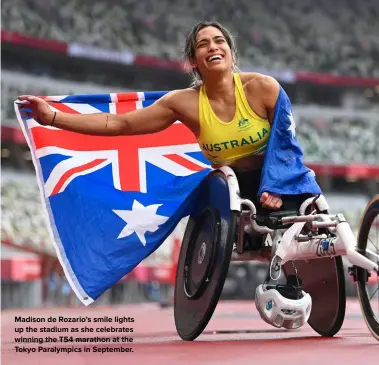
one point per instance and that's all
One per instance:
(325, 55)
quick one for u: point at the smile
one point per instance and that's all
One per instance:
(214, 58)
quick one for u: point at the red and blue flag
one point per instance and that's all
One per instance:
(112, 201)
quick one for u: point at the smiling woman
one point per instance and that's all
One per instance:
(197, 40)
(229, 112)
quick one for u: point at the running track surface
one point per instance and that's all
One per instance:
(235, 335)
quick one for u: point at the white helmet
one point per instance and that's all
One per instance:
(279, 311)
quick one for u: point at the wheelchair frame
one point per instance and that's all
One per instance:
(289, 244)
(288, 239)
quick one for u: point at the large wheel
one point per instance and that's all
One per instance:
(368, 288)
(324, 280)
(204, 257)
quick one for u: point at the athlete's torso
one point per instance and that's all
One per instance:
(189, 108)
(223, 142)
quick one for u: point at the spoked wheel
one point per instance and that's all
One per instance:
(368, 286)
(204, 257)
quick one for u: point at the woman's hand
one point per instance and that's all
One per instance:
(36, 108)
(271, 201)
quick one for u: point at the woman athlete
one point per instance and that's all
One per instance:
(230, 113)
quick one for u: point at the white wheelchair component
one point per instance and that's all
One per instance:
(293, 244)
(306, 244)
(279, 311)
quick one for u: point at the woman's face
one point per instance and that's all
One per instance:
(212, 52)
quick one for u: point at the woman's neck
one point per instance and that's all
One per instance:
(219, 88)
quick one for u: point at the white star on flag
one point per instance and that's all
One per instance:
(292, 126)
(140, 219)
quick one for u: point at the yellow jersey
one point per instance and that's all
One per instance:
(223, 142)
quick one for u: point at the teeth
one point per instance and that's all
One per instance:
(210, 59)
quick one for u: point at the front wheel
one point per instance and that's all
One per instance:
(368, 286)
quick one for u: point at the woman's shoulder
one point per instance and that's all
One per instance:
(258, 79)
(184, 102)
(260, 84)
(179, 93)
(263, 87)
(175, 96)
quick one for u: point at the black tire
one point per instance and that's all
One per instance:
(324, 280)
(372, 320)
(209, 238)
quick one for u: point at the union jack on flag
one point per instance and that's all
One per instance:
(111, 201)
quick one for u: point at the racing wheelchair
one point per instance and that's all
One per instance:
(307, 245)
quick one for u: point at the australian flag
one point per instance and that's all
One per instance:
(112, 201)
(284, 172)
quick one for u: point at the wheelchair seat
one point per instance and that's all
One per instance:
(273, 220)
